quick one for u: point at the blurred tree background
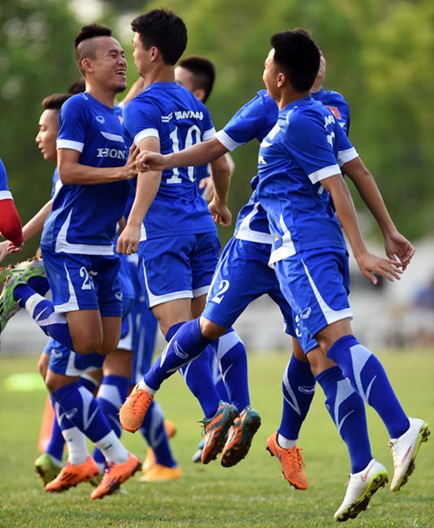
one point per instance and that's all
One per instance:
(379, 55)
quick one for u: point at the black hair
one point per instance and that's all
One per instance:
(55, 101)
(77, 86)
(91, 31)
(163, 29)
(298, 56)
(203, 71)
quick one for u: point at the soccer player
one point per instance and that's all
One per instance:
(251, 245)
(10, 222)
(302, 156)
(77, 248)
(358, 494)
(179, 248)
(197, 74)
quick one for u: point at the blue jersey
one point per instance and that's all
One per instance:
(305, 146)
(171, 113)
(5, 193)
(83, 218)
(337, 105)
(57, 184)
(253, 121)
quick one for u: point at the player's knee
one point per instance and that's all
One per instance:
(86, 346)
(210, 330)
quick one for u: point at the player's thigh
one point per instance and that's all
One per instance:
(172, 312)
(242, 275)
(315, 284)
(86, 329)
(111, 334)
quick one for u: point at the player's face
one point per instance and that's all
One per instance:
(110, 65)
(142, 57)
(184, 78)
(47, 135)
(269, 75)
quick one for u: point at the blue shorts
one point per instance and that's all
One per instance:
(316, 285)
(139, 328)
(243, 275)
(84, 282)
(177, 267)
(65, 361)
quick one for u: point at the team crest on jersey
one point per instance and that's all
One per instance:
(335, 111)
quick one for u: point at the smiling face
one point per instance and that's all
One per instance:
(106, 65)
(47, 135)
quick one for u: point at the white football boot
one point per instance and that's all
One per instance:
(404, 451)
(361, 487)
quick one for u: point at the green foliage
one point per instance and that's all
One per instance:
(379, 55)
(36, 59)
(251, 494)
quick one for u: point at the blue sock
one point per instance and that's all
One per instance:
(41, 310)
(198, 377)
(232, 356)
(347, 411)
(370, 380)
(112, 392)
(153, 430)
(298, 387)
(144, 337)
(217, 378)
(80, 408)
(56, 444)
(172, 330)
(89, 383)
(39, 284)
(186, 345)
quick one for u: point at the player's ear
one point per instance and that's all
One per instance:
(281, 79)
(199, 93)
(87, 65)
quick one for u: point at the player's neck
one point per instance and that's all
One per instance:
(159, 74)
(101, 94)
(289, 96)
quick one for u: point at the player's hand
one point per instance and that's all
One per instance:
(397, 247)
(371, 265)
(131, 168)
(208, 186)
(12, 248)
(128, 241)
(4, 249)
(220, 213)
(151, 161)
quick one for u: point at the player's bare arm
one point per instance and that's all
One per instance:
(199, 154)
(71, 172)
(221, 177)
(396, 245)
(368, 263)
(148, 184)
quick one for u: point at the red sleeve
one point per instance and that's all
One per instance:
(10, 222)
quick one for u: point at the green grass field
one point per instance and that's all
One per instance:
(252, 494)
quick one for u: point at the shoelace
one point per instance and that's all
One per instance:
(136, 401)
(296, 459)
(204, 424)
